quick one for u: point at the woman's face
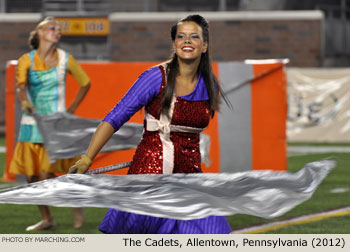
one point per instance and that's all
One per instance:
(189, 44)
(50, 32)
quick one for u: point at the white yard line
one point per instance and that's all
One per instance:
(317, 149)
(293, 221)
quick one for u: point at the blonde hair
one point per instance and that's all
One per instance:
(33, 36)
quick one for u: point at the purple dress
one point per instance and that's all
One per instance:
(168, 145)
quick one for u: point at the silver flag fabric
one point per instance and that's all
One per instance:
(66, 136)
(266, 193)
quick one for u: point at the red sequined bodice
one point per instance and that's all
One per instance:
(148, 158)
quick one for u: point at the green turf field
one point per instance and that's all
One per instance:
(322, 199)
(14, 218)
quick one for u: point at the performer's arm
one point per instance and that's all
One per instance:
(21, 79)
(22, 96)
(81, 77)
(99, 139)
(142, 91)
(78, 98)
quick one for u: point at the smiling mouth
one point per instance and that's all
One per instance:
(187, 49)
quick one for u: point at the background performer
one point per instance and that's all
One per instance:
(41, 76)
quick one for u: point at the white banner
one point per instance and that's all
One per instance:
(318, 105)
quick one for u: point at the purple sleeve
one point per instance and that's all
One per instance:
(145, 88)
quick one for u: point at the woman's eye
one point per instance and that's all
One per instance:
(180, 36)
(195, 36)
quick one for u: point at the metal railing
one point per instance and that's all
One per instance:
(91, 7)
(337, 29)
(76, 7)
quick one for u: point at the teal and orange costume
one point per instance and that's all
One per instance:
(46, 91)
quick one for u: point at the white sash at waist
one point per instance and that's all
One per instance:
(165, 128)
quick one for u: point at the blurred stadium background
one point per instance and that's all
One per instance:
(314, 35)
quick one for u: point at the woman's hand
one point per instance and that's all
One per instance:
(103, 133)
(27, 107)
(81, 166)
(78, 98)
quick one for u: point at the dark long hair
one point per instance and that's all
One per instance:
(204, 68)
